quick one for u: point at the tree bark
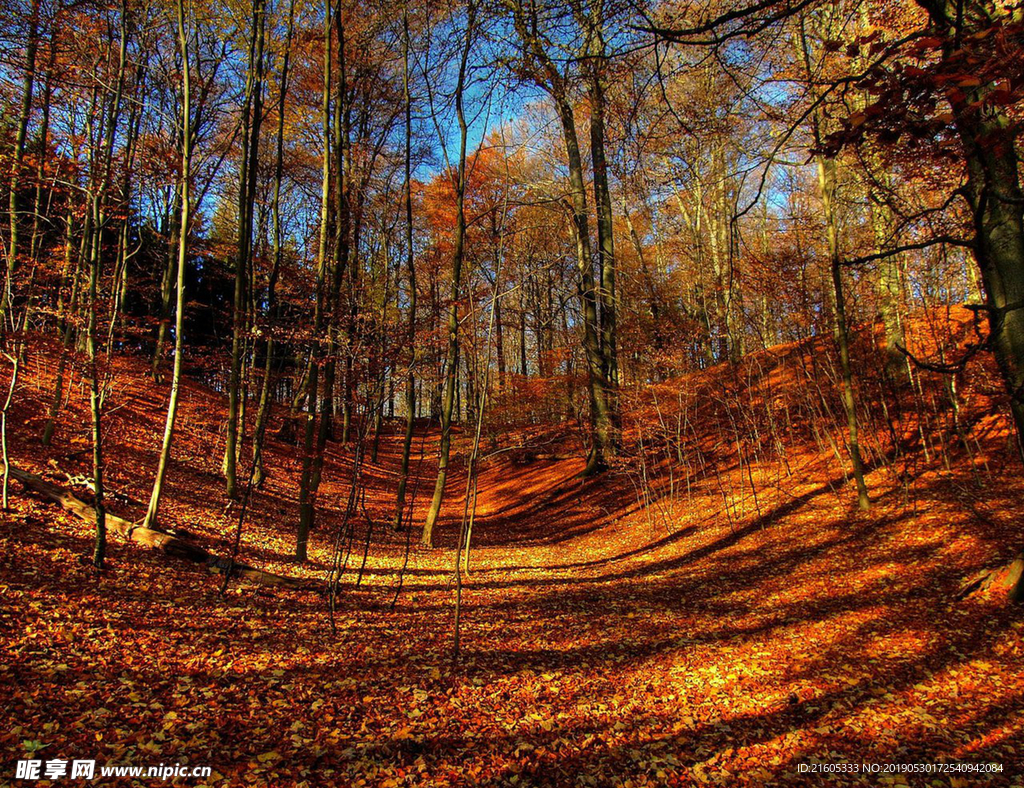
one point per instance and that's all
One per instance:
(306, 491)
(600, 389)
(263, 412)
(185, 202)
(603, 209)
(452, 356)
(827, 185)
(252, 114)
(13, 249)
(410, 263)
(996, 202)
(95, 406)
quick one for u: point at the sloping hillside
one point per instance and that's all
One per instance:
(709, 611)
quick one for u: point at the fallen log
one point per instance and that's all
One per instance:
(158, 540)
(1007, 580)
(80, 480)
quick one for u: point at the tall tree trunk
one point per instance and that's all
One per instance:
(66, 324)
(602, 421)
(100, 164)
(499, 341)
(603, 210)
(306, 491)
(551, 80)
(263, 413)
(522, 330)
(994, 195)
(888, 280)
(185, 202)
(38, 208)
(100, 545)
(452, 356)
(382, 370)
(499, 337)
(827, 183)
(252, 114)
(13, 248)
(336, 268)
(410, 263)
(167, 283)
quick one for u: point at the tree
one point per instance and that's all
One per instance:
(827, 184)
(252, 118)
(263, 412)
(14, 218)
(458, 258)
(306, 491)
(541, 65)
(185, 202)
(993, 191)
(410, 262)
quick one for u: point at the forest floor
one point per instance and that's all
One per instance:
(602, 644)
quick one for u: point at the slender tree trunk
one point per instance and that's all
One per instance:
(67, 327)
(251, 118)
(452, 357)
(382, 371)
(38, 208)
(888, 286)
(263, 414)
(308, 442)
(602, 422)
(15, 359)
(135, 113)
(499, 337)
(522, 330)
(603, 210)
(167, 283)
(100, 546)
(185, 201)
(410, 262)
(827, 184)
(100, 161)
(499, 342)
(13, 248)
(600, 389)
(306, 492)
(335, 270)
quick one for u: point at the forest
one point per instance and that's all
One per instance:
(512, 392)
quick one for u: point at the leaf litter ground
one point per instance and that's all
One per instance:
(602, 645)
